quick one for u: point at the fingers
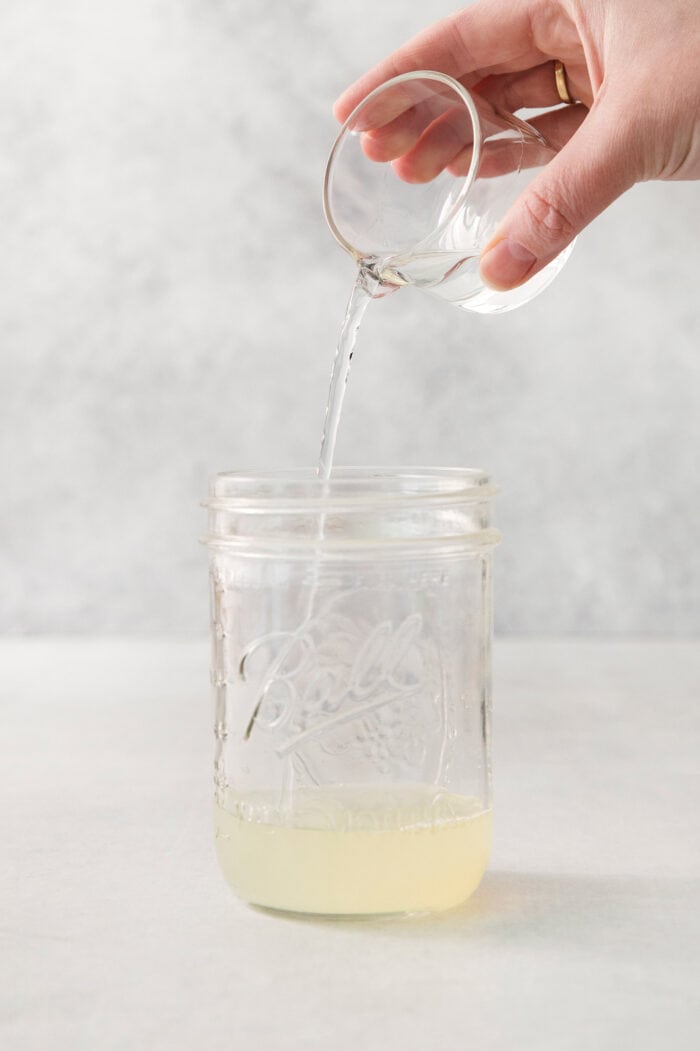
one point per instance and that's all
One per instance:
(393, 107)
(598, 163)
(399, 135)
(492, 36)
(447, 137)
(557, 127)
(417, 122)
(447, 143)
(530, 89)
(501, 155)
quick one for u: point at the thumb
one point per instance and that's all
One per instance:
(588, 174)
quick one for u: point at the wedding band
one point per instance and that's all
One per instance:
(560, 81)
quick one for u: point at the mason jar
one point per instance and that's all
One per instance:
(351, 652)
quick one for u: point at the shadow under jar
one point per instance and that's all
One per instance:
(351, 632)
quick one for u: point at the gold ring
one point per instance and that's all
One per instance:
(560, 81)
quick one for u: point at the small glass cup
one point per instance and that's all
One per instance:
(351, 632)
(419, 178)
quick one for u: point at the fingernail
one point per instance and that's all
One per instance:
(506, 264)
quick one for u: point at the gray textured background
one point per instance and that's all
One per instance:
(170, 299)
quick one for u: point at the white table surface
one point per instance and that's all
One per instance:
(117, 930)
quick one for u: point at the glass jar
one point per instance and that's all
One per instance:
(351, 631)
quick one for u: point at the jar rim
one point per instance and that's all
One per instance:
(348, 488)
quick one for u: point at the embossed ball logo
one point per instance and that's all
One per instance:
(341, 686)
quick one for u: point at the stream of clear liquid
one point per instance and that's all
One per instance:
(363, 291)
(371, 283)
(375, 279)
(366, 285)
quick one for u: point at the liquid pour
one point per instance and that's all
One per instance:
(364, 289)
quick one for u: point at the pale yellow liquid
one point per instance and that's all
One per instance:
(347, 851)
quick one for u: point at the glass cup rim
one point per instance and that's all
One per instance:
(467, 180)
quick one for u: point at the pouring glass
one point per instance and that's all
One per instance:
(418, 180)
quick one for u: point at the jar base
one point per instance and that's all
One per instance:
(389, 915)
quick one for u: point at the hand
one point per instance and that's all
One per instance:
(632, 65)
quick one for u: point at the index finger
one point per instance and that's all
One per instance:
(492, 36)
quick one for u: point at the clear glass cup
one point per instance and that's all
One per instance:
(351, 631)
(419, 178)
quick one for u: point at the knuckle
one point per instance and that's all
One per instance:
(548, 217)
(453, 34)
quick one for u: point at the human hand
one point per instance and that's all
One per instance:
(632, 65)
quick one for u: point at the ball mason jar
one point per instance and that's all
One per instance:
(351, 633)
